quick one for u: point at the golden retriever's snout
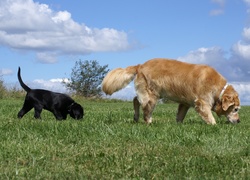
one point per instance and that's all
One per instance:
(234, 122)
(233, 118)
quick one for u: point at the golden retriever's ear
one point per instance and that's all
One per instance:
(227, 101)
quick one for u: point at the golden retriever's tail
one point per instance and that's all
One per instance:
(118, 79)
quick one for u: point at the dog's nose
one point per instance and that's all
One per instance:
(238, 121)
(79, 117)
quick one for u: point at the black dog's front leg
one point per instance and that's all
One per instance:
(38, 111)
(59, 116)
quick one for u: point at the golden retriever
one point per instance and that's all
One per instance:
(190, 85)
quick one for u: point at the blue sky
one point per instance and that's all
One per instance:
(46, 37)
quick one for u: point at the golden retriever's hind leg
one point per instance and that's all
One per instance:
(182, 111)
(136, 104)
(204, 110)
(148, 110)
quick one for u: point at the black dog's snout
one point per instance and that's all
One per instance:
(79, 117)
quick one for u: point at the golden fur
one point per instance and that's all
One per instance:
(190, 85)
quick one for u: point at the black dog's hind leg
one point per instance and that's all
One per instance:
(26, 108)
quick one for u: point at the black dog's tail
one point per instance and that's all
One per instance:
(24, 86)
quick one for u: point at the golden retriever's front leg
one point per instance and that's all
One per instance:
(136, 109)
(182, 111)
(204, 110)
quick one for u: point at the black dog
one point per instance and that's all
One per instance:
(57, 103)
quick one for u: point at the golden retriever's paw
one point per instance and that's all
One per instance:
(149, 121)
(212, 123)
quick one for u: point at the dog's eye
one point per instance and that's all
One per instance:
(236, 109)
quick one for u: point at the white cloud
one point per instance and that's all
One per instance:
(30, 26)
(5, 71)
(246, 34)
(211, 56)
(242, 50)
(128, 93)
(203, 55)
(61, 16)
(52, 85)
(233, 66)
(243, 88)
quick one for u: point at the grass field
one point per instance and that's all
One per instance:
(107, 144)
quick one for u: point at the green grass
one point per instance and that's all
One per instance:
(107, 144)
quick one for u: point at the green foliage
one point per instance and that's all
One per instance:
(86, 78)
(107, 144)
(2, 88)
(11, 92)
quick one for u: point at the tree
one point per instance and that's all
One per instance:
(86, 78)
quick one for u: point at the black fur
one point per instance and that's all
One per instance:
(59, 104)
